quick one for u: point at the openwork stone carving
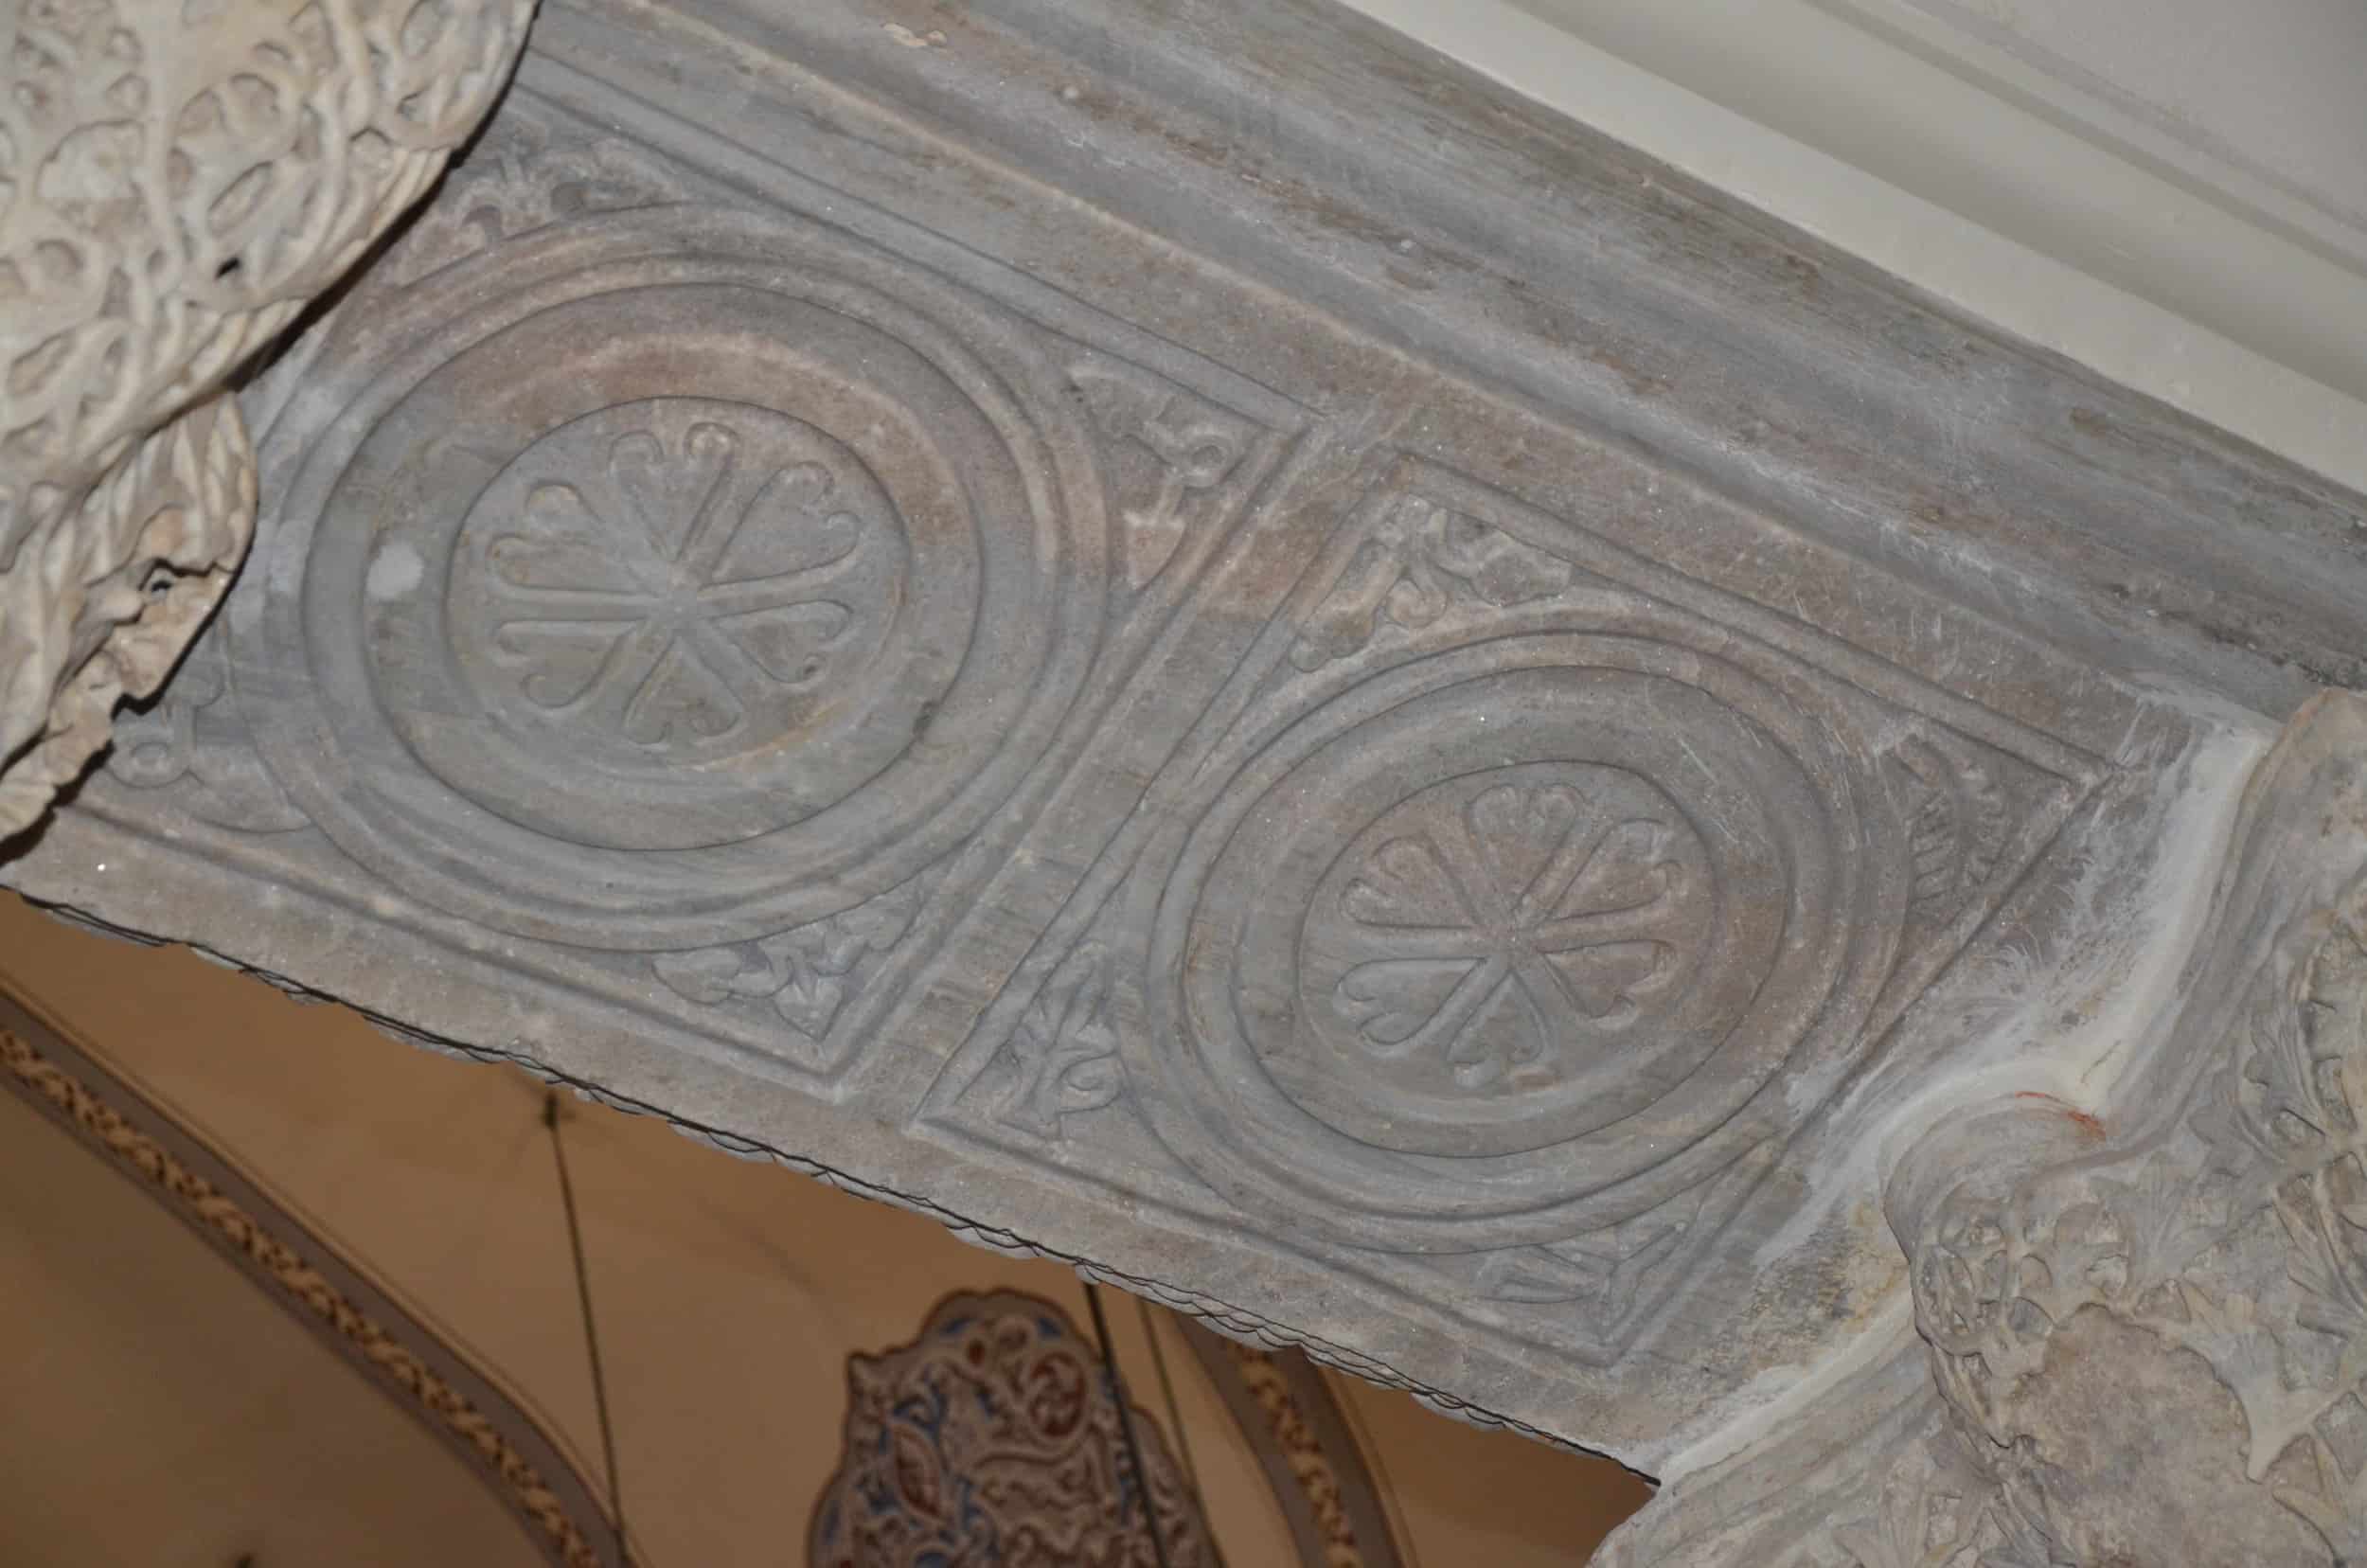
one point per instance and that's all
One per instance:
(99, 599)
(176, 183)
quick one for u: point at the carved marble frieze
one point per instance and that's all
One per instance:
(895, 650)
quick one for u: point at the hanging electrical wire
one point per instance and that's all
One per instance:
(1167, 1397)
(591, 1332)
(1125, 1425)
(1175, 1424)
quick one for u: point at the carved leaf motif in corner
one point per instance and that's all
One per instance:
(1959, 822)
(1063, 1055)
(1604, 1279)
(192, 743)
(1599, 1277)
(1419, 562)
(521, 177)
(809, 973)
(1173, 446)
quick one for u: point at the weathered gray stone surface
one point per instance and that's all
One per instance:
(177, 181)
(1188, 641)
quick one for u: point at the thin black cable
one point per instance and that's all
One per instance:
(591, 1334)
(1175, 1422)
(1126, 1422)
(1167, 1395)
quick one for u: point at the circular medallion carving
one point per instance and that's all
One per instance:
(676, 586)
(1494, 945)
(682, 576)
(1490, 938)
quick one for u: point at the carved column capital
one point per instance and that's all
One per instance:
(177, 181)
(2153, 1330)
(2144, 1324)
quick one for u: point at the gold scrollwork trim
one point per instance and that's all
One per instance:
(304, 1288)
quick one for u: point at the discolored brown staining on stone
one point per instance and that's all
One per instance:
(2087, 1121)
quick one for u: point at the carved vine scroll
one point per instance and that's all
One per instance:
(996, 1436)
(178, 179)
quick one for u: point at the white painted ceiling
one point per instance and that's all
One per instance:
(2173, 192)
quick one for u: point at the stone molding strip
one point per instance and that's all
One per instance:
(1445, 214)
(498, 1439)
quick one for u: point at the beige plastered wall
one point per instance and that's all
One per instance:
(157, 1411)
(729, 1294)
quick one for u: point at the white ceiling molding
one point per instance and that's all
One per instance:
(2218, 264)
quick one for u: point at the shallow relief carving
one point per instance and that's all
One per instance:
(707, 588)
(729, 678)
(1485, 948)
(176, 183)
